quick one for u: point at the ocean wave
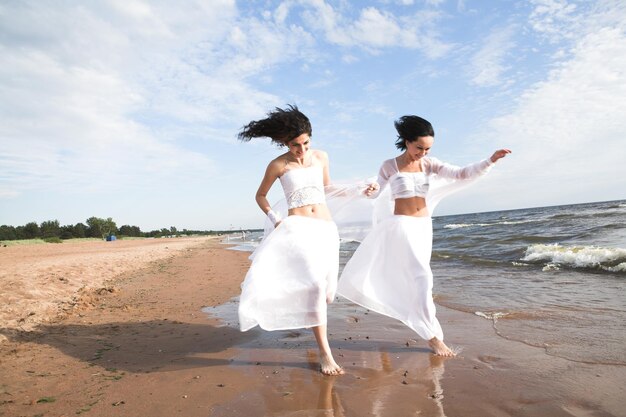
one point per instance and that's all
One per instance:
(556, 256)
(462, 225)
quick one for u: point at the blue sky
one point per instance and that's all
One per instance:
(130, 109)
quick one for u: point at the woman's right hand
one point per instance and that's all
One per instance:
(371, 189)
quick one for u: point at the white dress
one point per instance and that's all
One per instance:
(294, 269)
(390, 271)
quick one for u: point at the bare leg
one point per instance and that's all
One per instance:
(328, 366)
(440, 348)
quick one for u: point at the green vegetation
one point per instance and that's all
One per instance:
(50, 231)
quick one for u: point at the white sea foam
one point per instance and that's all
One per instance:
(550, 267)
(617, 268)
(243, 245)
(462, 225)
(556, 256)
(490, 316)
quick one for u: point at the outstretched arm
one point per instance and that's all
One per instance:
(475, 170)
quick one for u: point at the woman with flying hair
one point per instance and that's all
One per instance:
(293, 275)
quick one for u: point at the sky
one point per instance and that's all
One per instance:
(130, 109)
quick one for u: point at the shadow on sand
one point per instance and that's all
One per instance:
(142, 346)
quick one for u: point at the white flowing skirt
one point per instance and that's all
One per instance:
(390, 273)
(292, 276)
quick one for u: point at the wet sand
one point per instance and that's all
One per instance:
(147, 348)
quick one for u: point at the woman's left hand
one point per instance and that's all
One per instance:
(500, 153)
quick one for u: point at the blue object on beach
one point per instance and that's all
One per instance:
(111, 238)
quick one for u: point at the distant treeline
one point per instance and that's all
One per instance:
(95, 227)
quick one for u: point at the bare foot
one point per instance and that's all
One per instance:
(440, 348)
(328, 366)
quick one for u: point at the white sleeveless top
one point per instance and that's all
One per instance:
(303, 186)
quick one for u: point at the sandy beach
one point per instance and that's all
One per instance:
(41, 282)
(148, 328)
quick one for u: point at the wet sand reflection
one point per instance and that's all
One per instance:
(378, 383)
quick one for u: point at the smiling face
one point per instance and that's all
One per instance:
(419, 148)
(299, 146)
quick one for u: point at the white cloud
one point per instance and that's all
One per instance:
(136, 94)
(403, 2)
(65, 105)
(98, 96)
(281, 13)
(349, 59)
(488, 64)
(375, 30)
(567, 133)
(555, 19)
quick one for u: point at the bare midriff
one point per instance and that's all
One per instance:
(413, 206)
(317, 211)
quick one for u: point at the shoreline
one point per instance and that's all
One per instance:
(148, 349)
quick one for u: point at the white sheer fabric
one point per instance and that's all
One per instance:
(403, 184)
(437, 180)
(294, 269)
(390, 273)
(390, 270)
(351, 211)
(293, 274)
(355, 215)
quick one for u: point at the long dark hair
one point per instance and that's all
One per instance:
(410, 128)
(281, 125)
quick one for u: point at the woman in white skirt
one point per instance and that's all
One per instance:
(390, 271)
(294, 270)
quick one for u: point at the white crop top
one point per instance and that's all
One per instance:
(416, 184)
(303, 186)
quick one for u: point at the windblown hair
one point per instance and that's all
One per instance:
(281, 125)
(410, 128)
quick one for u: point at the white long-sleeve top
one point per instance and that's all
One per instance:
(417, 184)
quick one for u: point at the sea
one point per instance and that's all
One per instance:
(550, 277)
